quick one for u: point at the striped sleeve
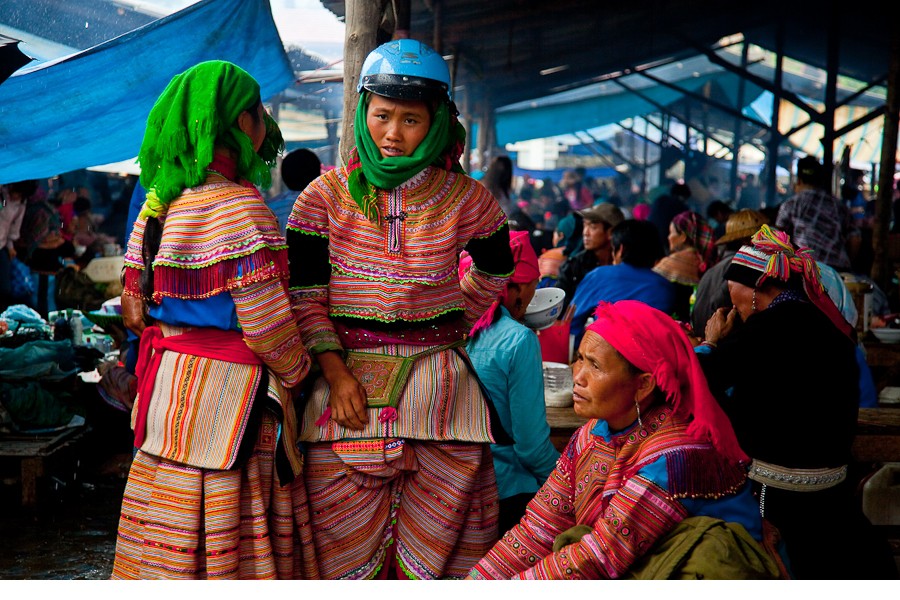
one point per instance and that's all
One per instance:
(264, 313)
(307, 239)
(484, 226)
(134, 260)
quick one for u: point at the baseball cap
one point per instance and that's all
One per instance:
(605, 212)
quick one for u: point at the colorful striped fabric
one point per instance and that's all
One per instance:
(681, 267)
(217, 237)
(441, 401)
(600, 484)
(190, 510)
(199, 408)
(403, 269)
(391, 507)
(181, 522)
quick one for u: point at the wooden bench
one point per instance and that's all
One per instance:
(34, 453)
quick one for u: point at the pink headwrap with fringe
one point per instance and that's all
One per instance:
(654, 343)
(525, 271)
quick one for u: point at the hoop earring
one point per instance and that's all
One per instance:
(638, 407)
(753, 306)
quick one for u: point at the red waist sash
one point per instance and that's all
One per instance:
(206, 342)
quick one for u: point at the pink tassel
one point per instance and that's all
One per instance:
(388, 415)
(323, 420)
(485, 320)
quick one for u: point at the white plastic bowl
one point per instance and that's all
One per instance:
(544, 308)
(887, 335)
(558, 384)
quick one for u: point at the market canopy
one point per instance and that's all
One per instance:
(90, 108)
(611, 102)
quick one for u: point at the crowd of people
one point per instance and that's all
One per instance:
(339, 384)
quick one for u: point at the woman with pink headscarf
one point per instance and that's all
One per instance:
(656, 450)
(506, 355)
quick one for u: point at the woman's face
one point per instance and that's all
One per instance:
(397, 126)
(605, 386)
(676, 240)
(254, 128)
(741, 298)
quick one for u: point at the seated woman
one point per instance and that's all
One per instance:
(691, 253)
(788, 380)
(657, 450)
(506, 355)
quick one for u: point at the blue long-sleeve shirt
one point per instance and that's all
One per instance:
(507, 359)
(612, 283)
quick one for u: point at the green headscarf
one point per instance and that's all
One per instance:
(368, 170)
(197, 111)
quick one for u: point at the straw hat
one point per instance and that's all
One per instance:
(742, 224)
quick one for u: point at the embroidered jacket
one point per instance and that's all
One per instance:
(629, 488)
(401, 272)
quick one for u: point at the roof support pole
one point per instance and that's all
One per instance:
(832, 60)
(774, 141)
(738, 128)
(362, 20)
(882, 268)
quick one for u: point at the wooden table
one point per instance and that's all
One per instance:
(877, 437)
(883, 360)
(33, 452)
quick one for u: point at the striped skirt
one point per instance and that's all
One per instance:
(182, 522)
(384, 508)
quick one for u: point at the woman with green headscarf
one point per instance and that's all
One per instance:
(214, 489)
(398, 466)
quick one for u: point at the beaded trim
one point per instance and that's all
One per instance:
(797, 480)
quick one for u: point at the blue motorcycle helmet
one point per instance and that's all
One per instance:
(406, 69)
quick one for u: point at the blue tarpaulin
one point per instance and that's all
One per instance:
(90, 108)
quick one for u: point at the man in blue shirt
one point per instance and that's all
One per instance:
(636, 248)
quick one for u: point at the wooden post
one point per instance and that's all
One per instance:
(362, 20)
(833, 63)
(882, 269)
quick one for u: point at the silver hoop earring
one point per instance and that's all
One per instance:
(753, 306)
(638, 407)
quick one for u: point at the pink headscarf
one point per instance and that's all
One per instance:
(641, 211)
(654, 343)
(525, 271)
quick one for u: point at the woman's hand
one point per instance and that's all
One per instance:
(133, 314)
(720, 324)
(347, 397)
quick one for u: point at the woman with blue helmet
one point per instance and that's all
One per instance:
(397, 427)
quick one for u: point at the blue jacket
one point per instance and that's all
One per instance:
(619, 282)
(507, 359)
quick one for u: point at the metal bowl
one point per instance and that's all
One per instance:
(545, 308)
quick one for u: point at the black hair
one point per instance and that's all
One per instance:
(81, 205)
(680, 190)
(811, 172)
(26, 188)
(299, 168)
(640, 243)
(152, 239)
(717, 206)
(498, 177)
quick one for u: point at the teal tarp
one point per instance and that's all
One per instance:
(90, 108)
(591, 107)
